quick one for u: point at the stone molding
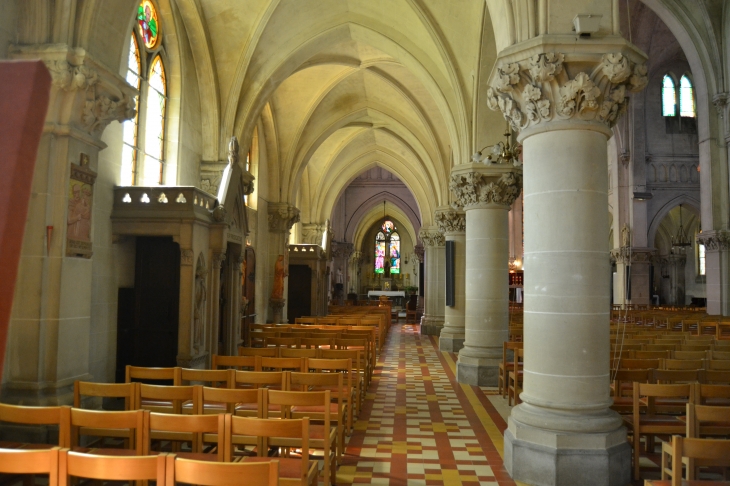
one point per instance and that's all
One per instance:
(451, 221)
(626, 255)
(479, 185)
(312, 233)
(97, 95)
(715, 240)
(553, 78)
(432, 238)
(282, 217)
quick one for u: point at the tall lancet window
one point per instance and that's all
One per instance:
(155, 132)
(669, 96)
(387, 249)
(686, 98)
(130, 147)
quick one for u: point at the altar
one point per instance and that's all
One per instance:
(396, 295)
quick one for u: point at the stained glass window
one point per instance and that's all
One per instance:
(394, 253)
(701, 259)
(130, 128)
(388, 227)
(686, 98)
(149, 24)
(155, 123)
(380, 253)
(669, 97)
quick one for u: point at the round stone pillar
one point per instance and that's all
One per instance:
(452, 224)
(486, 192)
(564, 432)
(435, 281)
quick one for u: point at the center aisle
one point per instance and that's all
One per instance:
(419, 426)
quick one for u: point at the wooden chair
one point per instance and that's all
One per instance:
(717, 364)
(169, 399)
(652, 422)
(186, 471)
(276, 380)
(214, 378)
(236, 362)
(111, 468)
(363, 344)
(282, 364)
(258, 339)
(23, 461)
(650, 354)
(701, 452)
(720, 354)
(226, 400)
(704, 421)
(623, 388)
(298, 353)
(360, 377)
(146, 374)
(266, 352)
(506, 366)
(131, 426)
(127, 391)
(294, 404)
(306, 320)
(195, 429)
(18, 414)
(715, 395)
(349, 390)
(277, 432)
(690, 355)
(281, 342)
(716, 377)
(514, 377)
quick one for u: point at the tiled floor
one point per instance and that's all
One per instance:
(420, 427)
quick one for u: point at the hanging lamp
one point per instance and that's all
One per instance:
(680, 240)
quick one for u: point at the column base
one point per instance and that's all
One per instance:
(477, 371)
(36, 394)
(451, 343)
(431, 326)
(547, 457)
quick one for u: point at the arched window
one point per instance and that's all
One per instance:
(143, 151)
(130, 127)
(380, 253)
(700, 259)
(155, 123)
(394, 253)
(669, 97)
(686, 98)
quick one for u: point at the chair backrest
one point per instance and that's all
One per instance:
(231, 397)
(193, 427)
(282, 364)
(703, 420)
(187, 471)
(707, 452)
(683, 364)
(638, 354)
(690, 355)
(287, 342)
(630, 376)
(23, 461)
(652, 391)
(717, 377)
(298, 353)
(112, 468)
(127, 391)
(316, 341)
(215, 377)
(305, 320)
(720, 354)
(703, 392)
(718, 364)
(171, 397)
(676, 376)
(236, 362)
(132, 422)
(60, 416)
(140, 373)
(267, 352)
(258, 379)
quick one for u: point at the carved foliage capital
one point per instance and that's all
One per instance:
(312, 233)
(541, 89)
(627, 255)
(482, 187)
(432, 238)
(342, 250)
(715, 240)
(282, 217)
(419, 251)
(451, 221)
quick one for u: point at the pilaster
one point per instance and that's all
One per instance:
(282, 216)
(717, 270)
(435, 269)
(452, 223)
(639, 261)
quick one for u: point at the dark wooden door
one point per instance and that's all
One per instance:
(157, 296)
(299, 302)
(248, 289)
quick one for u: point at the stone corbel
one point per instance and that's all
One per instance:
(715, 240)
(720, 100)
(342, 250)
(478, 185)
(86, 95)
(282, 217)
(419, 251)
(431, 238)
(312, 233)
(628, 255)
(451, 221)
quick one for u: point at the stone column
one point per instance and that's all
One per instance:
(356, 260)
(435, 283)
(486, 191)
(639, 260)
(452, 224)
(282, 217)
(50, 328)
(717, 270)
(564, 95)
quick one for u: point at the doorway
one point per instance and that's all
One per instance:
(248, 291)
(300, 292)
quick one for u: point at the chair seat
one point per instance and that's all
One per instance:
(316, 432)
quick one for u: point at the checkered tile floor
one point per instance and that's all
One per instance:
(419, 426)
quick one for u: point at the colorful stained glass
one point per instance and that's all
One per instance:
(380, 253)
(669, 97)
(394, 253)
(388, 227)
(155, 123)
(149, 24)
(130, 127)
(686, 98)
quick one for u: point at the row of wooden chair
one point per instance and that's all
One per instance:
(671, 364)
(165, 469)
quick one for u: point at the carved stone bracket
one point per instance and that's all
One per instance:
(715, 240)
(431, 237)
(477, 185)
(186, 257)
(342, 250)
(535, 82)
(419, 251)
(356, 257)
(282, 217)
(312, 233)
(451, 221)
(218, 259)
(96, 95)
(626, 255)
